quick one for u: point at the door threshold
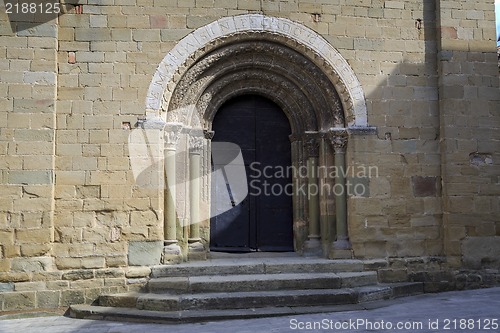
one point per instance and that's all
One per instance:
(230, 255)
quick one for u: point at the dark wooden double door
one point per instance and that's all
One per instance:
(262, 221)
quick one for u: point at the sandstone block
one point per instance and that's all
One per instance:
(68, 263)
(86, 284)
(117, 261)
(138, 272)
(5, 287)
(194, 22)
(35, 250)
(142, 253)
(46, 276)
(70, 177)
(481, 252)
(14, 277)
(19, 300)
(57, 285)
(93, 262)
(110, 273)
(143, 218)
(6, 237)
(92, 34)
(81, 274)
(146, 35)
(92, 295)
(69, 297)
(4, 265)
(84, 56)
(375, 249)
(48, 299)
(29, 286)
(112, 282)
(422, 221)
(392, 275)
(30, 177)
(35, 264)
(33, 236)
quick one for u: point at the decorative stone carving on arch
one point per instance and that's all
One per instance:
(283, 61)
(296, 36)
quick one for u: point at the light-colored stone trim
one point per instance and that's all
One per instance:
(229, 26)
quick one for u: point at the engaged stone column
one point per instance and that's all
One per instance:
(196, 143)
(326, 218)
(341, 247)
(298, 197)
(312, 247)
(171, 251)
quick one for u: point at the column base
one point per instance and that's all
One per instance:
(312, 248)
(172, 254)
(197, 251)
(341, 249)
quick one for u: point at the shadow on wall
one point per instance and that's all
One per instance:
(420, 114)
(26, 18)
(402, 214)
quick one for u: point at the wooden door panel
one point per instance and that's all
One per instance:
(262, 222)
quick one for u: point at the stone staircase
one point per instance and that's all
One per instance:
(246, 288)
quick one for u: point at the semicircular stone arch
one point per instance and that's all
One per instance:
(240, 54)
(283, 61)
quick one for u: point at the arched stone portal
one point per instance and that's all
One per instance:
(292, 66)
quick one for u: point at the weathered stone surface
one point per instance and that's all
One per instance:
(19, 300)
(14, 277)
(35, 264)
(9, 286)
(481, 252)
(110, 273)
(424, 186)
(79, 274)
(137, 272)
(69, 297)
(48, 299)
(393, 275)
(144, 253)
(29, 286)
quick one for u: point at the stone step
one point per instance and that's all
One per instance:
(219, 306)
(260, 282)
(254, 299)
(258, 266)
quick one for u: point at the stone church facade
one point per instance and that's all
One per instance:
(110, 117)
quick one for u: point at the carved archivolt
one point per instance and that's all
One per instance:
(275, 57)
(279, 73)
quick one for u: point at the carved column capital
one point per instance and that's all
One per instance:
(338, 139)
(311, 144)
(196, 141)
(209, 135)
(172, 135)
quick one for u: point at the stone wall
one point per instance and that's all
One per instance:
(72, 220)
(28, 84)
(469, 124)
(394, 55)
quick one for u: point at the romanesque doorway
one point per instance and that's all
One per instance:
(263, 221)
(315, 88)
